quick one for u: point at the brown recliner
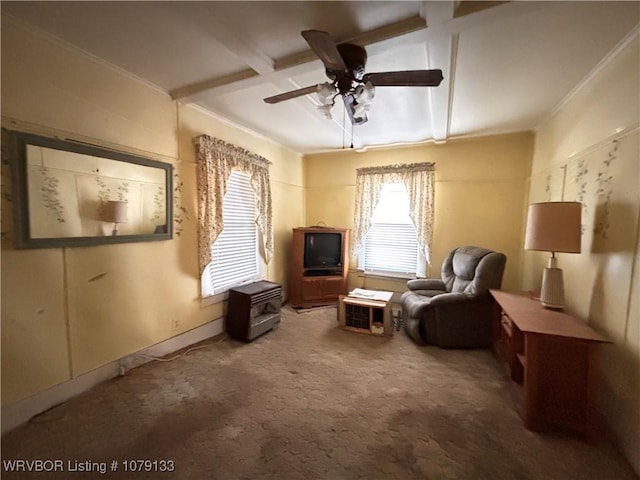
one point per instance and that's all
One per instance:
(455, 311)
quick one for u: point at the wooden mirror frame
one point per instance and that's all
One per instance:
(18, 142)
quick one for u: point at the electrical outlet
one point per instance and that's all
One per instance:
(175, 324)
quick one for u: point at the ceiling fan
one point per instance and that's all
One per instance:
(345, 66)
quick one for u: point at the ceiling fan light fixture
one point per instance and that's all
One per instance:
(325, 110)
(365, 93)
(345, 66)
(325, 93)
(359, 110)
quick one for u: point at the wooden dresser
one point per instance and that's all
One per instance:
(553, 356)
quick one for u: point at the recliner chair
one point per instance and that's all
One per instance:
(455, 311)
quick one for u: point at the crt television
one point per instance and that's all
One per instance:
(322, 250)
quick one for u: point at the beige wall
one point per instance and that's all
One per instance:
(66, 311)
(589, 151)
(480, 193)
(58, 324)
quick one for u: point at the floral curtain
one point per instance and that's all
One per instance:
(216, 160)
(419, 181)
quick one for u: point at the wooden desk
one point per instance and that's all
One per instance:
(554, 357)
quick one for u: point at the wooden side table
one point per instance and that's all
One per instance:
(365, 316)
(554, 357)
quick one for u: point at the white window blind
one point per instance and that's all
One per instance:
(391, 244)
(234, 255)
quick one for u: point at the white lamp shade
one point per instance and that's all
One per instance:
(554, 227)
(115, 211)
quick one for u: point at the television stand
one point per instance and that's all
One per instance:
(322, 272)
(317, 285)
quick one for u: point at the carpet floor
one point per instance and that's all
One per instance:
(307, 400)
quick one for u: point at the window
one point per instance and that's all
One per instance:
(234, 255)
(385, 197)
(391, 244)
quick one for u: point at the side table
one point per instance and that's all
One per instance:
(553, 357)
(364, 315)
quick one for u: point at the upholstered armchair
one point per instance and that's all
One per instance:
(455, 311)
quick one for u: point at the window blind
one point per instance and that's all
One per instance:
(234, 255)
(391, 243)
(391, 247)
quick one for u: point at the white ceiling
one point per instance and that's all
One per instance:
(506, 64)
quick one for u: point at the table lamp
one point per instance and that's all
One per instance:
(553, 227)
(115, 211)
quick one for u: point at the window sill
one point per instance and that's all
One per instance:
(385, 275)
(213, 299)
(221, 297)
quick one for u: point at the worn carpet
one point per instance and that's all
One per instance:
(307, 400)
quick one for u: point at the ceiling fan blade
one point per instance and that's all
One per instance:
(407, 78)
(349, 100)
(325, 48)
(292, 94)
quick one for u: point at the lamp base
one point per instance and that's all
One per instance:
(552, 293)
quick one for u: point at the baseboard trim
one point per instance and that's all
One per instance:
(15, 414)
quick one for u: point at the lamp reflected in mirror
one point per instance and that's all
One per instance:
(69, 193)
(115, 211)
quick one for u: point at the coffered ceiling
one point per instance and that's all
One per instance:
(506, 65)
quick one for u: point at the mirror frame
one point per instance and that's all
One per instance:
(18, 142)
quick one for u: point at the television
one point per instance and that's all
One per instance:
(323, 250)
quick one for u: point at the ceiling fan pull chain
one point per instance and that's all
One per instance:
(352, 136)
(344, 121)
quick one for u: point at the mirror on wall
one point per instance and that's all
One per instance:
(67, 193)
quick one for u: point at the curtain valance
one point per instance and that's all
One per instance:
(216, 160)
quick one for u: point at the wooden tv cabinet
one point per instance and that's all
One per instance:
(553, 357)
(307, 286)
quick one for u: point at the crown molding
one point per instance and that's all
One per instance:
(238, 126)
(600, 66)
(79, 51)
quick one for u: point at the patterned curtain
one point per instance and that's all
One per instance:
(419, 181)
(216, 160)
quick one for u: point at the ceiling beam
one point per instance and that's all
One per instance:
(369, 37)
(468, 7)
(188, 93)
(437, 13)
(443, 56)
(250, 76)
(465, 17)
(492, 12)
(385, 32)
(446, 21)
(224, 33)
(441, 52)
